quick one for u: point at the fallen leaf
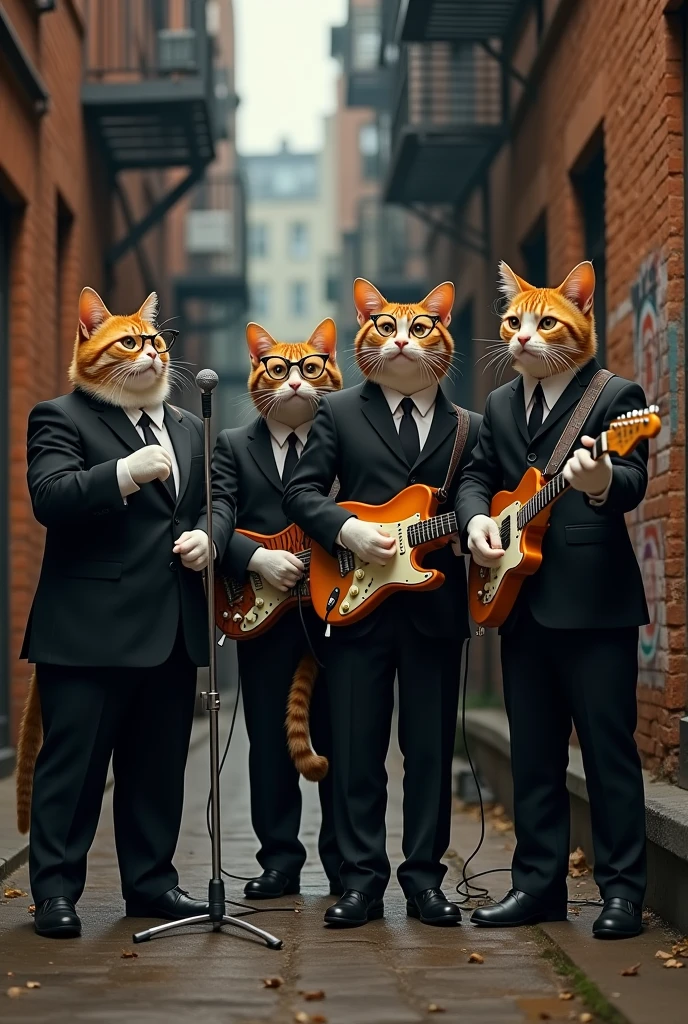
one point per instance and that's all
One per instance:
(15, 992)
(503, 826)
(303, 1018)
(273, 982)
(312, 997)
(13, 894)
(435, 1008)
(680, 948)
(578, 865)
(630, 972)
(662, 955)
(674, 963)
(318, 1018)
(10, 974)
(585, 1018)
(566, 996)
(128, 954)
(31, 908)
(33, 984)
(476, 958)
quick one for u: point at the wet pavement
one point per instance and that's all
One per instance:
(392, 971)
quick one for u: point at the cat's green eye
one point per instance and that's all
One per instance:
(129, 343)
(548, 322)
(385, 324)
(514, 323)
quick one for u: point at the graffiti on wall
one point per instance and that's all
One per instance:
(647, 298)
(650, 550)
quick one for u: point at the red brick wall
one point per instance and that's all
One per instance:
(618, 65)
(39, 160)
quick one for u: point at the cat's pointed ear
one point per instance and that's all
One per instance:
(149, 309)
(510, 284)
(367, 300)
(324, 338)
(440, 302)
(579, 286)
(92, 313)
(259, 342)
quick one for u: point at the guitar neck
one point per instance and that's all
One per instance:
(554, 488)
(432, 529)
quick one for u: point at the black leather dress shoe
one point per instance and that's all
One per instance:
(517, 908)
(173, 905)
(354, 909)
(270, 885)
(620, 919)
(432, 907)
(57, 919)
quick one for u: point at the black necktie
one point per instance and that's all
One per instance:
(291, 459)
(537, 411)
(408, 432)
(144, 425)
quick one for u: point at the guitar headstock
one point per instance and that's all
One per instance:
(633, 427)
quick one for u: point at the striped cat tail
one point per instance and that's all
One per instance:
(30, 741)
(311, 765)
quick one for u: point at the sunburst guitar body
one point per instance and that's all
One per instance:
(248, 607)
(344, 589)
(522, 517)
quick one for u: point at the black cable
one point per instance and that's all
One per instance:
(317, 660)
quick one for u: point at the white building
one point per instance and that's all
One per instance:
(291, 241)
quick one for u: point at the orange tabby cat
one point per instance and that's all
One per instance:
(280, 400)
(549, 330)
(106, 364)
(408, 353)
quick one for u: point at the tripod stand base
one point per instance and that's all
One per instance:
(270, 940)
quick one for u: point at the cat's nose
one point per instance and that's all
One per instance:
(295, 384)
(401, 345)
(524, 338)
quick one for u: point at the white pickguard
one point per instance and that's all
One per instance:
(491, 579)
(369, 578)
(268, 598)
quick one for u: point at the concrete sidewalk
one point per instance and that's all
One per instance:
(390, 972)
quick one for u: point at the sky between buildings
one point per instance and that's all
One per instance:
(285, 75)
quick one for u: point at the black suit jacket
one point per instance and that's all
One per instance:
(354, 438)
(244, 465)
(589, 577)
(111, 592)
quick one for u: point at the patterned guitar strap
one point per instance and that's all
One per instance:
(463, 422)
(575, 424)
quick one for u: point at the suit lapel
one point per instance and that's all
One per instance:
(377, 412)
(518, 408)
(570, 397)
(118, 422)
(260, 448)
(181, 442)
(442, 426)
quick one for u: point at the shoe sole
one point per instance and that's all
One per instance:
(373, 915)
(540, 919)
(446, 922)
(610, 934)
(64, 932)
(290, 891)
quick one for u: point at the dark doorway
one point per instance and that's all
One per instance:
(589, 182)
(462, 330)
(534, 253)
(5, 225)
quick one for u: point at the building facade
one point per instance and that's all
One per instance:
(545, 132)
(109, 115)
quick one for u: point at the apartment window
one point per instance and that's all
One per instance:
(298, 298)
(534, 252)
(590, 187)
(369, 148)
(299, 240)
(260, 299)
(257, 241)
(365, 38)
(462, 330)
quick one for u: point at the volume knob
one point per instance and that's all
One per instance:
(259, 602)
(238, 617)
(359, 574)
(353, 591)
(344, 607)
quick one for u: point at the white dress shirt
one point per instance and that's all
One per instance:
(157, 417)
(279, 436)
(423, 408)
(553, 388)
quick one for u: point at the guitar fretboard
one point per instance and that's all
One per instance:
(432, 529)
(553, 489)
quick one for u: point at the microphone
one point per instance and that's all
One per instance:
(207, 381)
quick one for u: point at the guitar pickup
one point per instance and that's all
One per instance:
(346, 561)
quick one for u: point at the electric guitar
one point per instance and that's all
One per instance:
(345, 589)
(522, 517)
(250, 606)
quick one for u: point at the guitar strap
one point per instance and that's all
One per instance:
(463, 422)
(575, 424)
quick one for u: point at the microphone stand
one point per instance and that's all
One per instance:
(207, 380)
